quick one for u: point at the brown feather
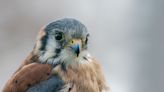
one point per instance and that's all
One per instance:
(27, 76)
(86, 78)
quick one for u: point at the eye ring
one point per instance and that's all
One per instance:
(58, 36)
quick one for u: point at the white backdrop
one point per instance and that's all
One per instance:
(126, 36)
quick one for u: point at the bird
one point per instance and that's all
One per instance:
(59, 62)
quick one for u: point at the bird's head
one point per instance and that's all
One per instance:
(62, 41)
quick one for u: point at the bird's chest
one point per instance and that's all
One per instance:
(83, 78)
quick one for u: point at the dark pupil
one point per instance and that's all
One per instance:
(58, 36)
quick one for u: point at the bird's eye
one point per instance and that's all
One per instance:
(58, 36)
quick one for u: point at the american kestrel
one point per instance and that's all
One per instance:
(59, 62)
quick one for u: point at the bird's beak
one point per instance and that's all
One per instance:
(76, 46)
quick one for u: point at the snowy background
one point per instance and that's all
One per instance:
(126, 37)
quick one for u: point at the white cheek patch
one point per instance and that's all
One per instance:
(84, 57)
(67, 56)
(46, 56)
(49, 51)
(51, 44)
(53, 61)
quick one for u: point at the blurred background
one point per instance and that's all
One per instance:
(126, 36)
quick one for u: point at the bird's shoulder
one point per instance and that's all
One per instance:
(27, 76)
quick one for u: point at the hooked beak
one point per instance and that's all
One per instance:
(76, 46)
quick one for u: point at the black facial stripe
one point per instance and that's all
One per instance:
(86, 41)
(63, 66)
(58, 50)
(44, 42)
